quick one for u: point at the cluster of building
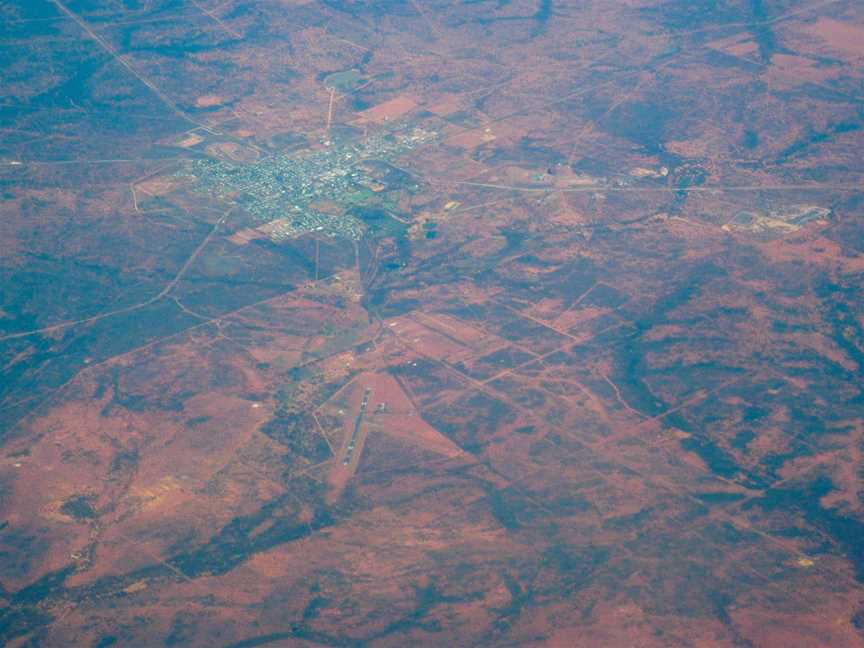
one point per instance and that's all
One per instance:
(279, 191)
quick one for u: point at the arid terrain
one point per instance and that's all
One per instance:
(435, 323)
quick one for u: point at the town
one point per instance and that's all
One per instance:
(280, 192)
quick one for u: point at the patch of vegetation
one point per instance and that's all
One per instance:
(78, 507)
